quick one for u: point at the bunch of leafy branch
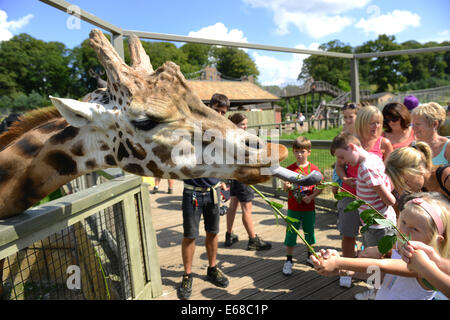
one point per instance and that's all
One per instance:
(370, 217)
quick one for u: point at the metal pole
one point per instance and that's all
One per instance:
(354, 79)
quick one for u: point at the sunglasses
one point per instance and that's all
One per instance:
(391, 119)
(349, 106)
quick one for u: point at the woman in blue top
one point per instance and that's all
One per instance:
(426, 120)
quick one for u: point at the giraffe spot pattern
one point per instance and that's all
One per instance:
(65, 135)
(122, 152)
(137, 150)
(134, 168)
(153, 167)
(109, 159)
(77, 149)
(28, 148)
(61, 162)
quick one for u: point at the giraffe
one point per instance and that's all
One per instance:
(129, 124)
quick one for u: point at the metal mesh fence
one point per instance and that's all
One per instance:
(96, 246)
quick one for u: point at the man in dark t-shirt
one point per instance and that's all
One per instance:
(201, 197)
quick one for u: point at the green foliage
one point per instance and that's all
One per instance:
(370, 217)
(403, 72)
(31, 69)
(335, 71)
(234, 63)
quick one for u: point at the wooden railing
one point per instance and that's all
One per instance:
(96, 242)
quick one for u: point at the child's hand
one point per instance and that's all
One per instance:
(287, 185)
(349, 181)
(326, 265)
(408, 251)
(419, 261)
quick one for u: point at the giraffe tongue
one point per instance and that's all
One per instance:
(285, 174)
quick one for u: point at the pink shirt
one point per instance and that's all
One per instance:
(405, 143)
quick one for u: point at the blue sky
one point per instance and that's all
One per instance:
(289, 23)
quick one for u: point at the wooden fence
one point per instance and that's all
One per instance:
(104, 232)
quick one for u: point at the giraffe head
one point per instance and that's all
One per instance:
(155, 125)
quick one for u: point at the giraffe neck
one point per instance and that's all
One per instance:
(43, 159)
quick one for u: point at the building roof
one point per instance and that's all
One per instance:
(239, 92)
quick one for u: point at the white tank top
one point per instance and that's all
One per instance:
(402, 288)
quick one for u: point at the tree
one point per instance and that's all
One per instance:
(335, 71)
(384, 71)
(83, 58)
(197, 56)
(234, 63)
(28, 64)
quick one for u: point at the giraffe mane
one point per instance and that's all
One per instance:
(26, 122)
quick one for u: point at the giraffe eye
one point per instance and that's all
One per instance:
(145, 124)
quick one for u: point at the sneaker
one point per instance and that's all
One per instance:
(366, 295)
(184, 291)
(217, 277)
(258, 244)
(155, 190)
(287, 268)
(345, 281)
(230, 238)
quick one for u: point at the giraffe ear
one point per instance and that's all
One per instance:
(77, 113)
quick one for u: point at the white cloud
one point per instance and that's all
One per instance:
(274, 71)
(219, 32)
(6, 27)
(390, 23)
(318, 18)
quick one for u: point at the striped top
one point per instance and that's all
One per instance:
(371, 174)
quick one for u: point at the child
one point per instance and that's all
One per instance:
(348, 222)
(372, 185)
(301, 204)
(425, 219)
(340, 174)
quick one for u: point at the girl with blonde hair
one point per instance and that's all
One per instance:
(425, 218)
(426, 120)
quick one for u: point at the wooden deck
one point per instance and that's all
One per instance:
(253, 275)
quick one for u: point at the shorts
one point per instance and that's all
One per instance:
(192, 214)
(242, 191)
(372, 236)
(307, 220)
(348, 222)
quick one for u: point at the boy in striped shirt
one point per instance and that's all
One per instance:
(372, 185)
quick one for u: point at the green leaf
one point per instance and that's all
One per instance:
(364, 228)
(326, 184)
(368, 216)
(354, 205)
(276, 205)
(292, 219)
(386, 243)
(383, 222)
(344, 194)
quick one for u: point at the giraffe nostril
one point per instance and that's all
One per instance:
(251, 143)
